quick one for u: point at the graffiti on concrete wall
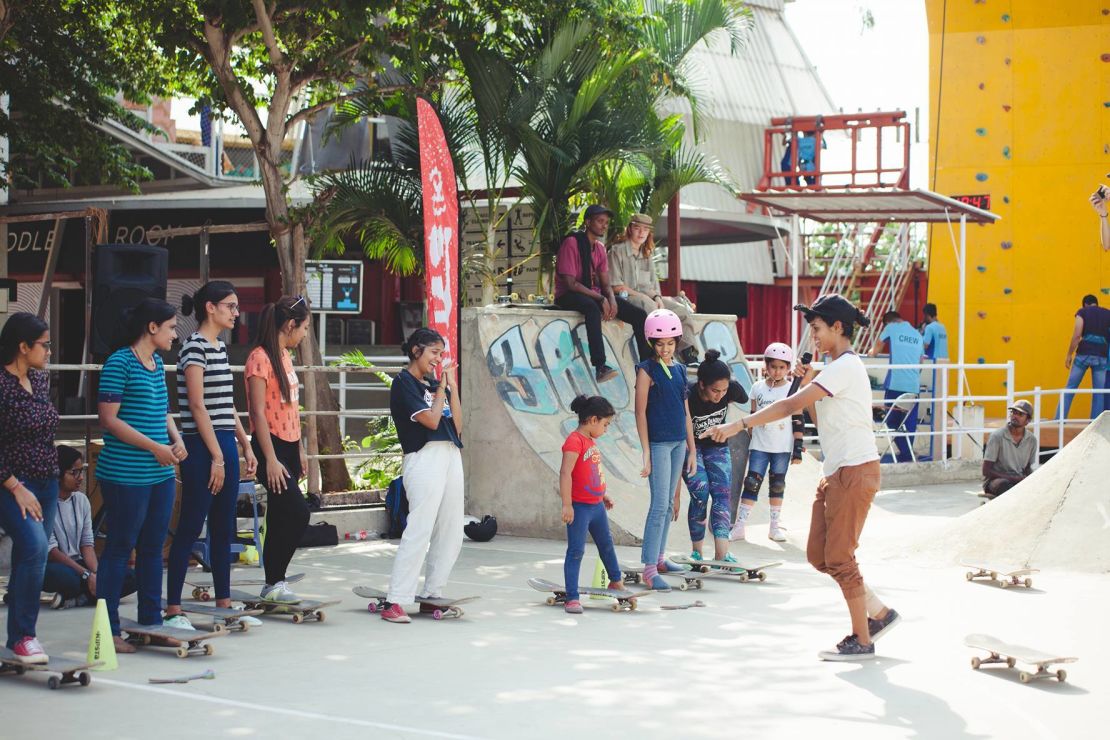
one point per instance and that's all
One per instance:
(541, 364)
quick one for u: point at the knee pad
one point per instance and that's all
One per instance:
(752, 483)
(777, 484)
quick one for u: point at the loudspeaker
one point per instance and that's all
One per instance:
(723, 298)
(125, 275)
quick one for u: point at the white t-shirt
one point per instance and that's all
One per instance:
(844, 424)
(778, 436)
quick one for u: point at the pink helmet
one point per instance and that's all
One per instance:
(779, 351)
(661, 324)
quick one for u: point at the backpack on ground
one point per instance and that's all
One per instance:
(396, 508)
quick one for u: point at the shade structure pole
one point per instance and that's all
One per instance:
(795, 251)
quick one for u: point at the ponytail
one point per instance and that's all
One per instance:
(273, 319)
(712, 369)
(138, 318)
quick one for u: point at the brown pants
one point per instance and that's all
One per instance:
(843, 500)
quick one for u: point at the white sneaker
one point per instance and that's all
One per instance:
(776, 533)
(247, 620)
(279, 593)
(180, 622)
(737, 533)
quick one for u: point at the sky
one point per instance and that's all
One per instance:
(885, 67)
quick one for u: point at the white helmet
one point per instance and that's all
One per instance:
(779, 351)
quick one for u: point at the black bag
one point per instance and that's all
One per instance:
(320, 534)
(585, 258)
(396, 508)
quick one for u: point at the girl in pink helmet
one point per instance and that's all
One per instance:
(666, 437)
(771, 444)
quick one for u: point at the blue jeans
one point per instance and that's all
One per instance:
(593, 519)
(1079, 367)
(138, 519)
(667, 459)
(198, 504)
(894, 419)
(29, 548)
(61, 579)
(759, 462)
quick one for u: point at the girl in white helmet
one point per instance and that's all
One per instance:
(771, 444)
(666, 437)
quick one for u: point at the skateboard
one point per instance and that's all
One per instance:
(445, 608)
(222, 618)
(624, 599)
(188, 642)
(1003, 578)
(1004, 652)
(303, 611)
(202, 583)
(61, 671)
(743, 573)
(634, 576)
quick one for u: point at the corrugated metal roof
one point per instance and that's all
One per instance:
(872, 205)
(749, 262)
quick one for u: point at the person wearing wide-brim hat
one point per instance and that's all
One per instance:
(632, 271)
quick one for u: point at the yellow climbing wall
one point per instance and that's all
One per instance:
(1020, 110)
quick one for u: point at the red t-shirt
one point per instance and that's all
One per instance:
(587, 480)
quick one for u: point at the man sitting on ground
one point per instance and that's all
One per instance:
(71, 561)
(582, 285)
(1012, 452)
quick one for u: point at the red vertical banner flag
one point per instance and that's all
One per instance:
(441, 228)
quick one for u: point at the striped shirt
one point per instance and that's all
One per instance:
(219, 395)
(144, 403)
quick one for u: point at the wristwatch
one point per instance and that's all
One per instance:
(85, 575)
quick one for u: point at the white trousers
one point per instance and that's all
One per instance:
(434, 487)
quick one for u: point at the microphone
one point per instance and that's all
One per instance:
(807, 357)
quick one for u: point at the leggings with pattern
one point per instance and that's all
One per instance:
(713, 479)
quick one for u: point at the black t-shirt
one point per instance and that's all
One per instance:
(1096, 331)
(707, 415)
(408, 397)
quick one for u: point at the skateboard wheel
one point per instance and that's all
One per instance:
(975, 663)
(1061, 675)
(183, 652)
(320, 616)
(994, 575)
(145, 639)
(206, 596)
(632, 605)
(762, 577)
(683, 586)
(437, 615)
(209, 649)
(616, 607)
(219, 628)
(969, 576)
(197, 593)
(1004, 584)
(704, 569)
(244, 627)
(372, 608)
(1028, 583)
(1010, 662)
(743, 578)
(53, 682)
(1024, 677)
(298, 618)
(698, 584)
(84, 678)
(551, 601)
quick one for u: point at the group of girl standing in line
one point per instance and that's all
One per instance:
(142, 448)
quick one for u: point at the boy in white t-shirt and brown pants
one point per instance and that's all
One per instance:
(841, 394)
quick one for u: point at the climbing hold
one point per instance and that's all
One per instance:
(1007, 245)
(1006, 108)
(981, 360)
(1006, 152)
(1105, 291)
(981, 132)
(1005, 17)
(1005, 338)
(982, 314)
(980, 40)
(982, 86)
(981, 268)
(1005, 199)
(1007, 291)
(981, 176)
(1006, 61)
(1105, 57)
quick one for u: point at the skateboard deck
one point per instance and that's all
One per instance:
(444, 608)
(633, 575)
(186, 642)
(1001, 576)
(743, 573)
(61, 671)
(222, 618)
(624, 599)
(303, 611)
(202, 583)
(1004, 652)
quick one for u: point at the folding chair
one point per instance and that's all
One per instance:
(202, 548)
(906, 404)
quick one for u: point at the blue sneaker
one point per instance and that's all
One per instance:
(695, 555)
(879, 627)
(849, 649)
(729, 559)
(669, 566)
(658, 584)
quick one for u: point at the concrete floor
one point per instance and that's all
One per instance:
(515, 668)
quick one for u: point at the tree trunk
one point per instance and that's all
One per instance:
(489, 283)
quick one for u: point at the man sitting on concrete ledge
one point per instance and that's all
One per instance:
(582, 285)
(1012, 452)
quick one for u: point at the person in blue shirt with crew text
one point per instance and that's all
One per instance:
(906, 348)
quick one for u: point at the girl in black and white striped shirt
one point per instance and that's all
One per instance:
(210, 428)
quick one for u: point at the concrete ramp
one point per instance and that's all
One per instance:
(1058, 517)
(521, 370)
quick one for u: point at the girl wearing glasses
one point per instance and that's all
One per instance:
(28, 472)
(210, 428)
(273, 399)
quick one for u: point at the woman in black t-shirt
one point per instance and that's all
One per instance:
(710, 396)
(427, 414)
